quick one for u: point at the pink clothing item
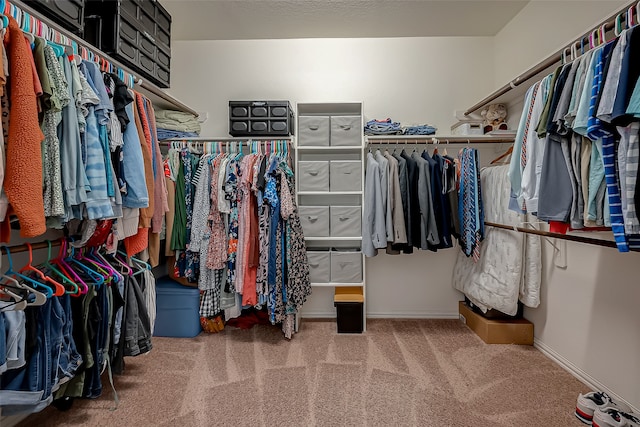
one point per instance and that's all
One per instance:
(243, 223)
(246, 272)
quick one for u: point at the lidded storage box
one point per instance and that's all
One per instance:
(260, 118)
(313, 131)
(177, 309)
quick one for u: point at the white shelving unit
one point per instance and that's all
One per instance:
(333, 198)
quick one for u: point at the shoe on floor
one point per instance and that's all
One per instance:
(588, 403)
(612, 417)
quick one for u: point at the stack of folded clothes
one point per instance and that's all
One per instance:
(382, 127)
(419, 130)
(176, 124)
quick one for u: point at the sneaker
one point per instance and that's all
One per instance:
(612, 417)
(588, 403)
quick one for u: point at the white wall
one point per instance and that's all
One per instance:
(542, 28)
(413, 80)
(588, 316)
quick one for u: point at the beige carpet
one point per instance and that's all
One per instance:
(399, 373)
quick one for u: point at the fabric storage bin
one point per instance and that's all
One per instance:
(345, 175)
(314, 220)
(313, 130)
(313, 175)
(346, 267)
(319, 266)
(345, 221)
(177, 310)
(346, 131)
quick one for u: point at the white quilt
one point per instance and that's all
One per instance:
(510, 265)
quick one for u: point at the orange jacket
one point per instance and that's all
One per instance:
(23, 176)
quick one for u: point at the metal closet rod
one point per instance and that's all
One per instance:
(24, 248)
(609, 24)
(570, 237)
(148, 86)
(225, 139)
(451, 140)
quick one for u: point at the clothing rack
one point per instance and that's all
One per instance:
(560, 56)
(37, 24)
(225, 139)
(569, 237)
(455, 139)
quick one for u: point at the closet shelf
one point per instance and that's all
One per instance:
(516, 87)
(333, 239)
(445, 139)
(336, 284)
(329, 193)
(329, 148)
(158, 97)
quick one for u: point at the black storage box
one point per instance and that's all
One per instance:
(260, 118)
(349, 317)
(137, 32)
(68, 13)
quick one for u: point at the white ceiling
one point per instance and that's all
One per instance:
(284, 19)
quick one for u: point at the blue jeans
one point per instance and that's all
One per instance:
(137, 195)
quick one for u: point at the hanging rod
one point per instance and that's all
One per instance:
(455, 139)
(609, 24)
(225, 139)
(570, 237)
(157, 93)
(24, 248)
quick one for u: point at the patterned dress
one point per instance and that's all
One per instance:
(232, 194)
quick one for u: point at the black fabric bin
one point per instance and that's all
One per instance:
(349, 317)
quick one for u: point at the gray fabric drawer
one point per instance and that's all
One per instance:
(346, 221)
(345, 175)
(314, 220)
(314, 176)
(346, 267)
(346, 131)
(313, 130)
(319, 266)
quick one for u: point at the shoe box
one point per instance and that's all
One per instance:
(497, 331)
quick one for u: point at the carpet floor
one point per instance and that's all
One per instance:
(399, 373)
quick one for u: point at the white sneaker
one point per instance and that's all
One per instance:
(588, 403)
(612, 417)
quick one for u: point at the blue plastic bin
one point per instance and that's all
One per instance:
(177, 309)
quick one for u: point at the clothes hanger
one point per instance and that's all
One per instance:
(94, 275)
(502, 156)
(75, 290)
(34, 297)
(68, 270)
(11, 272)
(58, 287)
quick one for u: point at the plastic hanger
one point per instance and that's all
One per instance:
(95, 276)
(11, 272)
(67, 270)
(75, 290)
(58, 287)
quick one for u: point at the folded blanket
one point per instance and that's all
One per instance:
(177, 120)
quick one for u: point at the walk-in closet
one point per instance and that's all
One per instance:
(311, 213)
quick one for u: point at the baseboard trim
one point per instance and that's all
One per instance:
(577, 372)
(413, 315)
(405, 315)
